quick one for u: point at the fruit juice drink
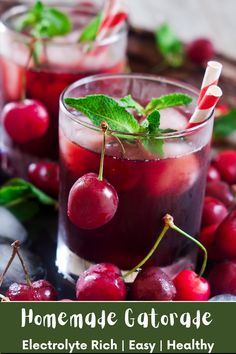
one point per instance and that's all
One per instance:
(63, 60)
(148, 186)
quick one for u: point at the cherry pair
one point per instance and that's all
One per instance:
(40, 290)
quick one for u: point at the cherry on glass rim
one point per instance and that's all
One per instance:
(92, 203)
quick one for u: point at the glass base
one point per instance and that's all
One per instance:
(71, 265)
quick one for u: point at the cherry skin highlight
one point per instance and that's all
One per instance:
(45, 175)
(213, 211)
(25, 121)
(213, 174)
(223, 278)
(200, 50)
(226, 236)
(101, 283)
(92, 203)
(152, 284)
(191, 287)
(225, 162)
(40, 290)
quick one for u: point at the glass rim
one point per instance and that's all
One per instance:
(18, 9)
(150, 77)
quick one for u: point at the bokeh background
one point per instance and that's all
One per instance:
(214, 19)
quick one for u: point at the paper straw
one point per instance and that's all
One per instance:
(207, 104)
(211, 77)
(112, 16)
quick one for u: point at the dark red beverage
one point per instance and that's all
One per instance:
(148, 186)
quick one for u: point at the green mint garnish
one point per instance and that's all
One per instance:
(169, 46)
(45, 22)
(225, 125)
(89, 32)
(100, 108)
(23, 198)
(166, 101)
(129, 102)
(116, 114)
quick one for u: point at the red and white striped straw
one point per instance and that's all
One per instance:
(112, 16)
(211, 77)
(206, 105)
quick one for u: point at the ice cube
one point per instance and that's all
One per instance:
(172, 176)
(11, 228)
(173, 118)
(176, 148)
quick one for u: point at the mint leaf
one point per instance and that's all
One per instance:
(22, 198)
(45, 21)
(166, 101)
(25, 211)
(154, 122)
(99, 108)
(129, 102)
(169, 45)
(89, 32)
(152, 143)
(225, 125)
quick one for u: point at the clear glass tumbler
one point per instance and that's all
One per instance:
(149, 186)
(63, 60)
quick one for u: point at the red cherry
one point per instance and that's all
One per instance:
(212, 174)
(213, 211)
(222, 278)
(92, 203)
(25, 121)
(152, 284)
(226, 236)
(40, 290)
(191, 287)
(225, 162)
(207, 238)
(45, 175)
(200, 50)
(221, 191)
(100, 283)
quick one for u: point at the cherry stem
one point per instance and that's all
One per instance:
(27, 277)
(104, 127)
(153, 249)
(15, 245)
(170, 221)
(31, 51)
(169, 224)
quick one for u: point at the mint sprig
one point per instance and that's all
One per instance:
(44, 22)
(170, 46)
(117, 115)
(23, 199)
